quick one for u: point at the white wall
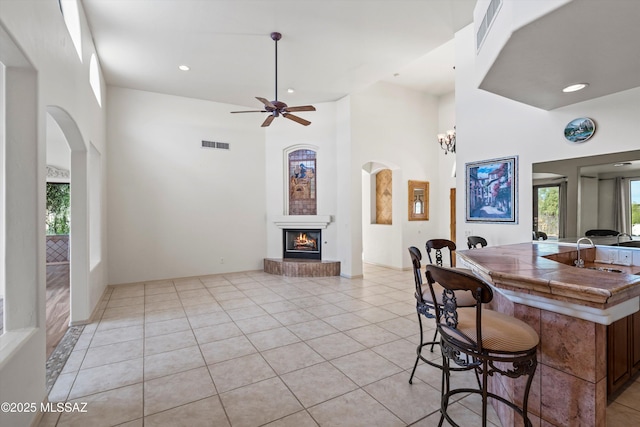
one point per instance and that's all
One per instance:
(606, 204)
(490, 126)
(446, 167)
(588, 202)
(58, 152)
(348, 193)
(2, 181)
(44, 70)
(397, 127)
(176, 209)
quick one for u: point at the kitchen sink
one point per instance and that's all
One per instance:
(610, 270)
(628, 244)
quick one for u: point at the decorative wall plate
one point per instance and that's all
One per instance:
(579, 130)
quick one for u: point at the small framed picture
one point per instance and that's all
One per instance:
(492, 191)
(579, 130)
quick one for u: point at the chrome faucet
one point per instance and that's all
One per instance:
(580, 262)
(623, 234)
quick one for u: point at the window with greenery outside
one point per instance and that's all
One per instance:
(548, 210)
(58, 208)
(635, 207)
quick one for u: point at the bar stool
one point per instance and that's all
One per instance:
(474, 241)
(425, 307)
(540, 235)
(491, 341)
(437, 245)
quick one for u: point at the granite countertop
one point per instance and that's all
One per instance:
(546, 269)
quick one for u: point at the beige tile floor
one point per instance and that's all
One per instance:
(252, 349)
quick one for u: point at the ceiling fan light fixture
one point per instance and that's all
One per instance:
(575, 87)
(277, 108)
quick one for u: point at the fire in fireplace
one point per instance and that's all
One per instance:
(300, 243)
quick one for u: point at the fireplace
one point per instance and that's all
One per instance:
(302, 243)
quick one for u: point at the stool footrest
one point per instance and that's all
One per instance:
(446, 396)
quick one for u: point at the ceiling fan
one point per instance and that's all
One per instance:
(278, 108)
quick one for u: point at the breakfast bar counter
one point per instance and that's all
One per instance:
(574, 310)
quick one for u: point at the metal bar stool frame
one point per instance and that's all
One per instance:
(436, 245)
(455, 344)
(474, 241)
(425, 307)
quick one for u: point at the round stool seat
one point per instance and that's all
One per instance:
(500, 332)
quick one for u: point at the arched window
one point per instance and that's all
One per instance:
(302, 183)
(71, 15)
(94, 78)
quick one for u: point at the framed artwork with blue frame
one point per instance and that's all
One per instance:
(492, 190)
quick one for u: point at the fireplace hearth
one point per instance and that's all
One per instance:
(302, 244)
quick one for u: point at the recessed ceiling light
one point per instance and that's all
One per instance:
(184, 67)
(576, 87)
(291, 90)
(622, 164)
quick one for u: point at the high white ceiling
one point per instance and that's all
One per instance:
(329, 48)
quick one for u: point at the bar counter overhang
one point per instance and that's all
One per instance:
(570, 309)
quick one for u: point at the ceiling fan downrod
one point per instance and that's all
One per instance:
(277, 108)
(275, 37)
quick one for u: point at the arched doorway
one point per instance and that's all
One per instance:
(79, 309)
(382, 235)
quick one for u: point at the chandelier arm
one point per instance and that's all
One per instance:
(447, 141)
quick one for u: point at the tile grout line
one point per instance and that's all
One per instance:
(204, 359)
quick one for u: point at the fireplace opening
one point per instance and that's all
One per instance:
(302, 243)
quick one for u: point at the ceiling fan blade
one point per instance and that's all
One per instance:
(266, 102)
(267, 121)
(251, 111)
(300, 108)
(297, 119)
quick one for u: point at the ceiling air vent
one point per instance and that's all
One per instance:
(489, 16)
(215, 144)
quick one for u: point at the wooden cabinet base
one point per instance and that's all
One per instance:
(623, 351)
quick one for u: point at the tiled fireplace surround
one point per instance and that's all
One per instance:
(302, 267)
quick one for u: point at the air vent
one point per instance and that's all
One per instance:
(216, 144)
(489, 16)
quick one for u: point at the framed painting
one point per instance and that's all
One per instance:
(492, 190)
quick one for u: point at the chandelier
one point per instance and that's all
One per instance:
(448, 141)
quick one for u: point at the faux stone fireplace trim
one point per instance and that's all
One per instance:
(301, 267)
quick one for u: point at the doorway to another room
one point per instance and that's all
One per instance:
(58, 293)
(546, 210)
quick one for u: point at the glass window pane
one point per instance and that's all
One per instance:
(635, 207)
(549, 210)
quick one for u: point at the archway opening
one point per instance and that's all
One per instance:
(58, 227)
(380, 224)
(67, 152)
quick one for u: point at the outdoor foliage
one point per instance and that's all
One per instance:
(548, 208)
(58, 208)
